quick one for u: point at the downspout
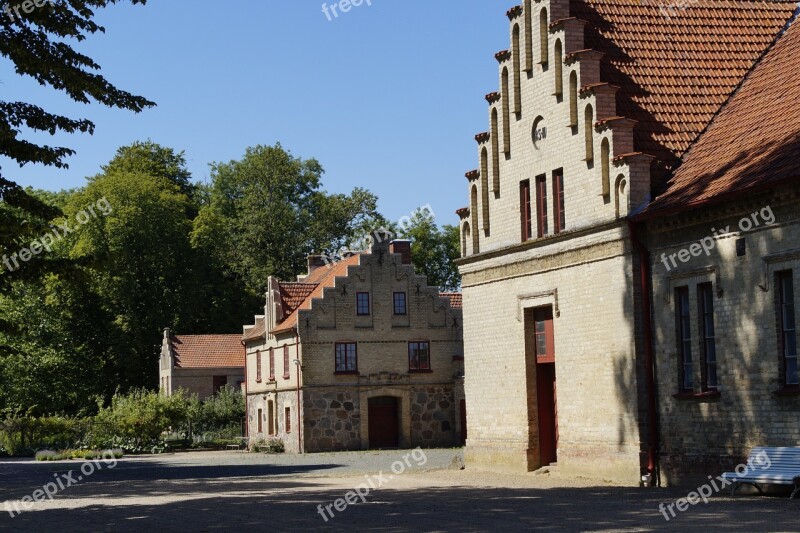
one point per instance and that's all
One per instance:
(652, 417)
(246, 407)
(299, 370)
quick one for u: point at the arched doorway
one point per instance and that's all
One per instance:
(384, 422)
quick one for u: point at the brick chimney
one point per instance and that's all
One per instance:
(402, 247)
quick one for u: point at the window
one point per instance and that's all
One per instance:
(525, 209)
(788, 328)
(260, 421)
(573, 98)
(605, 164)
(506, 112)
(543, 37)
(684, 330)
(485, 189)
(517, 69)
(465, 238)
(528, 37)
(544, 341)
(559, 61)
(362, 303)
(419, 356)
(559, 215)
(400, 303)
(219, 382)
(288, 421)
(541, 205)
(473, 209)
(272, 364)
(346, 358)
(285, 362)
(258, 366)
(495, 154)
(271, 417)
(706, 300)
(588, 127)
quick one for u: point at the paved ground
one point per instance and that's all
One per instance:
(229, 490)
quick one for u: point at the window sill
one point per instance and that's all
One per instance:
(347, 373)
(286, 376)
(420, 371)
(689, 395)
(788, 391)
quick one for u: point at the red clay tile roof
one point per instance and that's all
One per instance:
(454, 297)
(753, 142)
(675, 72)
(322, 277)
(293, 294)
(208, 351)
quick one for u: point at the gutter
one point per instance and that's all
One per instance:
(650, 479)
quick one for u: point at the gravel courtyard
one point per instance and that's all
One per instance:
(237, 491)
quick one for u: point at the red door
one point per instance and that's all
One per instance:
(384, 422)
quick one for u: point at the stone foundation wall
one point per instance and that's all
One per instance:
(333, 420)
(433, 417)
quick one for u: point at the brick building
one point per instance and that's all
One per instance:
(200, 364)
(575, 199)
(381, 355)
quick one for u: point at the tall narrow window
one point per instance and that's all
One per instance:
(419, 356)
(525, 209)
(788, 328)
(573, 98)
(272, 364)
(517, 70)
(346, 358)
(495, 154)
(543, 37)
(528, 37)
(588, 130)
(558, 59)
(400, 307)
(260, 421)
(288, 419)
(684, 331)
(362, 303)
(506, 113)
(258, 366)
(271, 417)
(559, 214)
(545, 339)
(605, 164)
(706, 300)
(465, 238)
(285, 362)
(473, 207)
(485, 189)
(541, 205)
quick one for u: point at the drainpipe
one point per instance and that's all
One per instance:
(652, 418)
(299, 364)
(246, 409)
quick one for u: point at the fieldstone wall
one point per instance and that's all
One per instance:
(433, 417)
(333, 420)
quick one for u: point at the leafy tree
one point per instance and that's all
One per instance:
(147, 157)
(266, 213)
(434, 250)
(35, 43)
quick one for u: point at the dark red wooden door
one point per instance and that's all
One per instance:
(548, 412)
(384, 422)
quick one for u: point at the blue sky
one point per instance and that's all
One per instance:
(387, 96)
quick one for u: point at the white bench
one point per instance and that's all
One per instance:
(769, 466)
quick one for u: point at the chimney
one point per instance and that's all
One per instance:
(315, 262)
(166, 334)
(402, 247)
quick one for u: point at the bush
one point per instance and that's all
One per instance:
(269, 446)
(22, 436)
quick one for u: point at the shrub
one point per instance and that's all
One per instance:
(269, 446)
(21, 436)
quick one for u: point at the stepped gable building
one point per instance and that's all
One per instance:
(571, 346)
(200, 364)
(371, 354)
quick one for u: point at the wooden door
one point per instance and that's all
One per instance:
(384, 422)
